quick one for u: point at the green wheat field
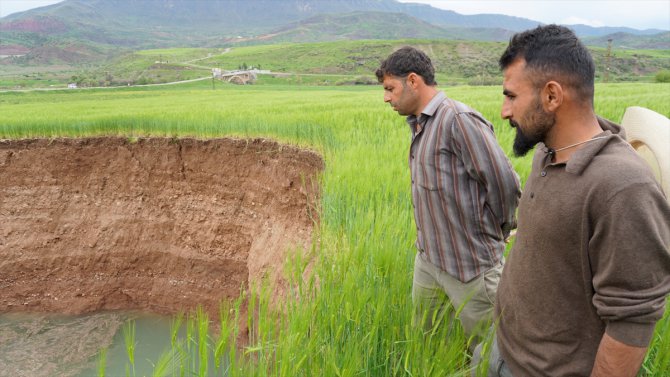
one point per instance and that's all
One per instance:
(352, 316)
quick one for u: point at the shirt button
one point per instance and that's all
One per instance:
(532, 195)
(544, 173)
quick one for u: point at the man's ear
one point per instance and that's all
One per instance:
(414, 80)
(552, 96)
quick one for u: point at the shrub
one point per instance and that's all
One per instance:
(663, 76)
(485, 80)
(358, 80)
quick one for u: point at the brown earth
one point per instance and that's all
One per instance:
(13, 50)
(35, 25)
(157, 225)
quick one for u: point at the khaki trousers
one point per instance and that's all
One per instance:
(434, 291)
(496, 365)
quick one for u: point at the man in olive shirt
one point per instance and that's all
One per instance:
(589, 272)
(464, 192)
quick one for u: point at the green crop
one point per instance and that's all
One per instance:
(351, 316)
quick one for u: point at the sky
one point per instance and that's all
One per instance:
(637, 14)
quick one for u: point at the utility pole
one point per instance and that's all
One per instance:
(608, 59)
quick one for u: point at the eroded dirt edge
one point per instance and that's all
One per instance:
(155, 224)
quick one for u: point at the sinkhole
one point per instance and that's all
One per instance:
(157, 225)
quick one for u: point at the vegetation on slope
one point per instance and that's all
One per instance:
(322, 63)
(468, 62)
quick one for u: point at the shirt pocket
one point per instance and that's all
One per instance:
(425, 174)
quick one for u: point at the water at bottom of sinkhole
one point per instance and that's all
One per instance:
(70, 346)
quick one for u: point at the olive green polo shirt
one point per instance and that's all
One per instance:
(591, 256)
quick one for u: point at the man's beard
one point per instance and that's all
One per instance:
(542, 123)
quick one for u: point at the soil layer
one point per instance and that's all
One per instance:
(158, 225)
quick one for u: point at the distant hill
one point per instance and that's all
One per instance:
(660, 41)
(453, 59)
(467, 60)
(241, 17)
(369, 25)
(79, 31)
(590, 31)
(324, 63)
(180, 23)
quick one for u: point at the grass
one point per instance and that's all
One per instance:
(352, 316)
(456, 61)
(129, 340)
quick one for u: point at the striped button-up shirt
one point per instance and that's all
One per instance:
(464, 189)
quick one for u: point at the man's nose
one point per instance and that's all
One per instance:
(387, 97)
(505, 111)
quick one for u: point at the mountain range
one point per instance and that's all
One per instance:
(87, 30)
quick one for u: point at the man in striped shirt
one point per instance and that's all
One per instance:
(464, 192)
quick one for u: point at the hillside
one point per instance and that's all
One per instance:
(660, 41)
(328, 63)
(91, 40)
(369, 25)
(241, 17)
(172, 23)
(86, 31)
(453, 59)
(458, 61)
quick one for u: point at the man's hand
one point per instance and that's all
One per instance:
(511, 234)
(616, 359)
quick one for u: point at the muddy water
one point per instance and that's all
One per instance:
(38, 345)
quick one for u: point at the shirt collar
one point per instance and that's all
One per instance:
(584, 155)
(428, 111)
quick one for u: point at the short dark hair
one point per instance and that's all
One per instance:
(406, 60)
(553, 52)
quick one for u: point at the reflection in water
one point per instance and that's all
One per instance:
(38, 345)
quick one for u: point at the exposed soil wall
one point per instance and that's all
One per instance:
(159, 225)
